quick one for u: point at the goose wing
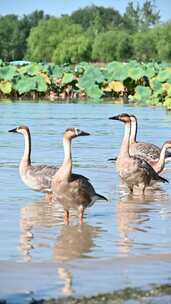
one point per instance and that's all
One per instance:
(149, 170)
(148, 150)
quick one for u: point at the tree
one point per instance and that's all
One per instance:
(162, 36)
(73, 50)
(14, 32)
(52, 34)
(138, 18)
(98, 18)
(144, 45)
(112, 45)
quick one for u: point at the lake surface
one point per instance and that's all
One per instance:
(125, 242)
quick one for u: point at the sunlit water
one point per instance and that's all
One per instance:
(125, 229)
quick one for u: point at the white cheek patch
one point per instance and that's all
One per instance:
(77, 131)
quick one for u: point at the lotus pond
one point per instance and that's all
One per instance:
(123, 243)
(142, 83)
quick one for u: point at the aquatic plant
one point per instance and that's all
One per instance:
(145, 83)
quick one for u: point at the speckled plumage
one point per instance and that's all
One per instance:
(133, 170)
(148, 151)
(36, 177)
(72, 190)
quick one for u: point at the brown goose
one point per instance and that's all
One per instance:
(73, 190)
(38, 177)
(133, 170)
(148, 151)
(159, 164)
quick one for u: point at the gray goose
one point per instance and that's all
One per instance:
(38, 177)
(148, 151)
(159, 164)
(133, 170)
(73, 190)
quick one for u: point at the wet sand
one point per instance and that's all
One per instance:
(22, 282)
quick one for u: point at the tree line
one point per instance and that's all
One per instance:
(93, 33)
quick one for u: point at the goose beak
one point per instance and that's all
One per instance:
(13, 130)
(82, 133)
(115, 117)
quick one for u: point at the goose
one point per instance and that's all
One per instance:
(73, 190)
(148, 151)
(133, 170)
(159, 164)
(39, 177)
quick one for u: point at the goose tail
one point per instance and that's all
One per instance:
(163, 180)
(101, 197)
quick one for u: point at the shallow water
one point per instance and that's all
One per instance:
(127, 236)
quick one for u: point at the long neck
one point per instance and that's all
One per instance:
(133, 135)
(161, 162)
(124, 150)
(65, 170)
(27, 148)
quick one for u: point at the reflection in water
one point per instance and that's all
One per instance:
(73, 241)
(133, 216)
(39, 215)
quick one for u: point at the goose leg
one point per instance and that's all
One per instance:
(66, 217)
(131, 188)
(81, 213)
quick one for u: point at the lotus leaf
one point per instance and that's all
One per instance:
(155, 84)
(81, 67)
(115, 86)
(167, 103)
(5, 87)
(149, 71)
(41, 85)
(164, 75)
(45, 76)
(56, 71)
(7, 72)
(67, 78)
(94, 74)
(30, 69)
(166, 86)
(94, 91)
(142, 94)
(25, 84)
(135, 73)
(117, 71)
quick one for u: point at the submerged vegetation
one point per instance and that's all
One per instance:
(145, 83)
(156, 292)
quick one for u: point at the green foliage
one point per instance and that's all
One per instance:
(112, 45)
(142, 94)
(67, 78)
(14, 32)
(7, 72)
(137, 18)
(73, 49)
(5, 87)
(96, 18)
(144, 46)
(143, 83)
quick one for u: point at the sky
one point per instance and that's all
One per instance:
(58, 7)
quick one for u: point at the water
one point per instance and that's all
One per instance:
(124, 242)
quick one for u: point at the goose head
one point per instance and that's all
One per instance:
(133, 118)
(71, 133)
(124, 117)
(21, 129)
(167, 144)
